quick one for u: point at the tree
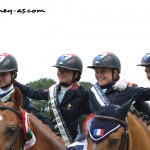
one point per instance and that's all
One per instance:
(87, 85)
(42, 83)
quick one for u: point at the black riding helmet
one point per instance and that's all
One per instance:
(145, 60)
(70, 61)
(8, 63)
(106, 59)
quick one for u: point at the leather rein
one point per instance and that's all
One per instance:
(19, 130)
(125, 138)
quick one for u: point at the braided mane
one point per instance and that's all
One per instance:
(140, 115)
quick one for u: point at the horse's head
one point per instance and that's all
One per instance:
(19, 130)
(10, 123)
(107, 130)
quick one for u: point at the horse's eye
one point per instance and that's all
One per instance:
(10, 131)
(113, 142)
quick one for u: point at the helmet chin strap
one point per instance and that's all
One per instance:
(65, 84)
(6, 86)
(9, 84)
(68, 84)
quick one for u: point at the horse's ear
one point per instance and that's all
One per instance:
(123, 110)
(17, 98)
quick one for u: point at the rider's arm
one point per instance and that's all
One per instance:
(27, 105)
(37, 94)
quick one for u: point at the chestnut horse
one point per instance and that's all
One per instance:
(12, 129)
(115, 128)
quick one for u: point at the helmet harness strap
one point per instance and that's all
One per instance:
(13, 76)
(68, 84)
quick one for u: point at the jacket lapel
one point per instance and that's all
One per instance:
(69, 94)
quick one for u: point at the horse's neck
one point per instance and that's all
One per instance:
(139, 133)
(45, 136)
(38, 128)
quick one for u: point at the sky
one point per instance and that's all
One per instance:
(83, 27)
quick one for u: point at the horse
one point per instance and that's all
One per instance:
(118, 128)
(21, 130)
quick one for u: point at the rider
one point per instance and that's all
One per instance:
(107, 69)
(8, 74)
(67, 99)
(145, 62)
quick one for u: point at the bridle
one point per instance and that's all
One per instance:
(19, 130)
(125, 138)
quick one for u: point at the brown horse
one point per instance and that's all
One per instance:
(12, 129)
(115, 128)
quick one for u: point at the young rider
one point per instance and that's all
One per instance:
(107, 69)
(67, 99)
(8, 74)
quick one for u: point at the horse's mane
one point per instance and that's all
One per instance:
(140, 115)
(44, 127)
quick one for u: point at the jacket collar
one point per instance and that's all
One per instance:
(68, 95)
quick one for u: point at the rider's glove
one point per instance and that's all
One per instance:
(120, 85)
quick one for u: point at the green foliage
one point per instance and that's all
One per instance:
(41, 83)
(87, 85)
(41, 105)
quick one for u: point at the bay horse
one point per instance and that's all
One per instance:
(118, 128)
(30, 135)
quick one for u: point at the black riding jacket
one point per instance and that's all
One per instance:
(119, 98)
(77, 98)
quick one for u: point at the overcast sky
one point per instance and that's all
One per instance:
(83, 27)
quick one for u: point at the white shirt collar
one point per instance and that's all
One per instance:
(65, 88)
(4, 91)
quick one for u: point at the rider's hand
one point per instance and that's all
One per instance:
(131, 84)
(120, 85)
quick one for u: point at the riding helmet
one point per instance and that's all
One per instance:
(8, 63)
(106, 59)
(145, 60)
(69, 61)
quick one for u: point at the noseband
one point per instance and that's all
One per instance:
(125, 139)
(20, 128)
